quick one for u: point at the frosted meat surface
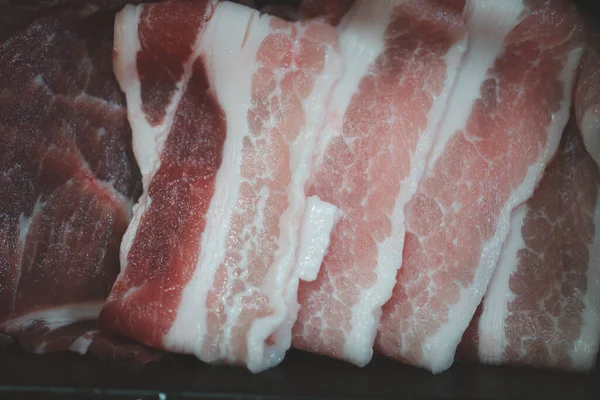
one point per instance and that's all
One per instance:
(225, 105)
(501, 128)
(68, 178)
(400, 62)
(543, 305)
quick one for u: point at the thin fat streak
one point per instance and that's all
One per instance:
(492, 336)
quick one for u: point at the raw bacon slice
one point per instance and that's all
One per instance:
(587, 96)
(67, 174)
(542, 307)
(401, 59)
(225, 105)
(503, 124)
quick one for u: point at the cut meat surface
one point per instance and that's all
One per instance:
(225, 105)
(67, 174)
(503, 124)
(401, 59)
(543, 305)
(84, 338)
(587, 96)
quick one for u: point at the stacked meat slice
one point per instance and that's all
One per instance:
(349, 182)
(502, 126)
(543, 303)
(233, 215)
(382, 119)
(225, 105)
(542, 307)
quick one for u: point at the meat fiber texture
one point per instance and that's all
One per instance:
(587, 95)
(225, 106)
(400, 61)
(67, 174)
(542, 307)
(503, 124)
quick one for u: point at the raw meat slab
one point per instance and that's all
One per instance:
(401, 59)
(542, 307)
(67, 174)
(503, 125)
(225, 105)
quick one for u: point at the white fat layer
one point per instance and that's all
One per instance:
(248, 40)
(82, 344)
(585, 349)
(492, 336)
(233, 91)
(440, 348)
(484, 46)
(590, 128)
(55, 317)
(318, 222)
(361, 42)
(127, 241)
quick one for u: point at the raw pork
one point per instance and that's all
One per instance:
(401, 59)
(587, 96)
(542, 307)
(67, 174)
(503, 124)
(85, 338)
(225, 105)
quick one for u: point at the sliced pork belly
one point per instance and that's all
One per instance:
(587, 96)
(401, 59)
(225, 105)
(542, 307)
(67, 174)
(503, 124)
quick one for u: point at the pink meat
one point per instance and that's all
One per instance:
(401, 59)
(225, 105)
(543, 305)
(587, 96)
(503, 124)
(67, 174)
